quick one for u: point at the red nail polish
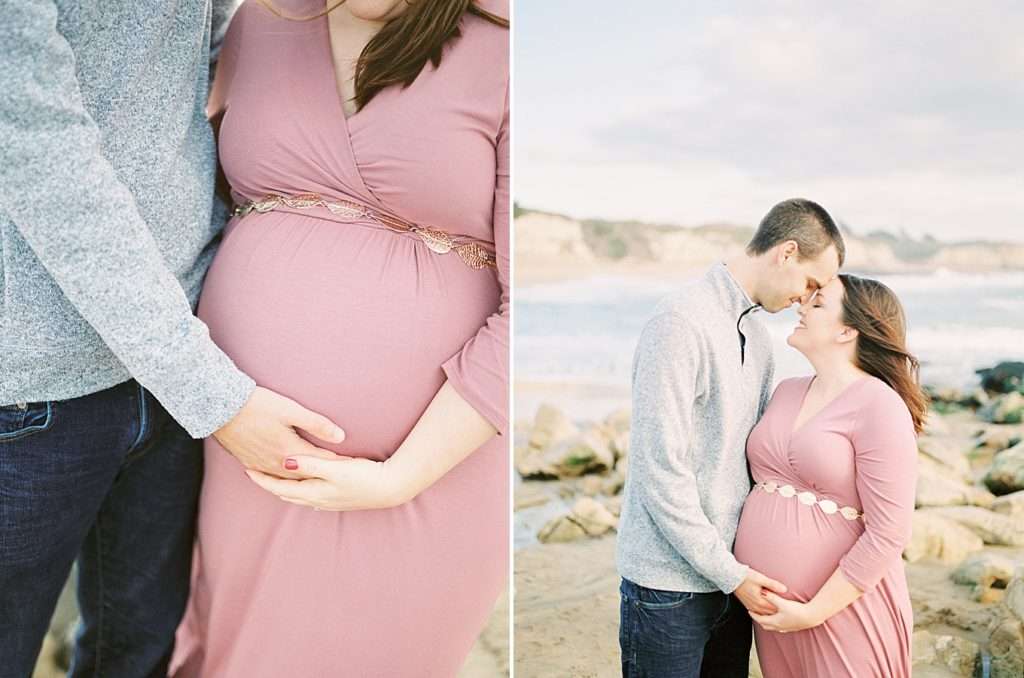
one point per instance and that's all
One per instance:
(291, 464)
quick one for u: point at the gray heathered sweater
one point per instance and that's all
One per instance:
(107, 218)
(696, 396)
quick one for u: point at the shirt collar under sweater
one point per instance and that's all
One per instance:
(734, 298)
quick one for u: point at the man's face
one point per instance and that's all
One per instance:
(796, 280)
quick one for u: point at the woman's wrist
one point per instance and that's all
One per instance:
(816, 611)
(404, 484)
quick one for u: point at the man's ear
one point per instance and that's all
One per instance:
(787, 250)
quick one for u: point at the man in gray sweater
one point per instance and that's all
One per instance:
(702, 376)
(107, 380)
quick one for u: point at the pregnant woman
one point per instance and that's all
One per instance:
(834, 459)
(365, 275)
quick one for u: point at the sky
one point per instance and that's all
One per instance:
(902, 116)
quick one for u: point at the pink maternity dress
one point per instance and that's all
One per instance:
(363, 324)
(860, 451)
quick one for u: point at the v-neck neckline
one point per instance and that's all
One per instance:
(338, 94)
(793, 429)
(346, 132)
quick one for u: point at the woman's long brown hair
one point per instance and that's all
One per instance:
(404, 45)
(875, 312)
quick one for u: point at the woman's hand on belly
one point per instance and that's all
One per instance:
(341, 484)
(446, 433)
(792, 615)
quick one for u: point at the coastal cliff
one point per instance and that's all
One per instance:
(553, 247)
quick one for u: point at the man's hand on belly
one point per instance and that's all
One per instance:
(751, 592)
(263, 433)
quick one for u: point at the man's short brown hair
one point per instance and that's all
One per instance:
(803, 221)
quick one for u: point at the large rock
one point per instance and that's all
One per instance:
(935, 425)
(935, 488)
(620, 444)
(1006, 409)
(590, 485)
(1006, 644)
(588, 517)
(619, 420)
(1011, 505)
(613, 483)
(1003, 378)
(561, 529)
(985, 569)
(943, 394)
(976, 398)
(550, 427)
(532, 464)
(1007, 472)
(998, 438)
(1015, 594)
(584, 453)
(593, 516)
(528, 495)
(941, 539)
(614, 504)
(955, 653)
(993, 528)
(988, 595)
(992, 440)
(947, 453)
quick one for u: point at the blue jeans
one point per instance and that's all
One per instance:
(680, 634)
(110, 479)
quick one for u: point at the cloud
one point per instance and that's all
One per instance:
(909, 113)
(839, 95)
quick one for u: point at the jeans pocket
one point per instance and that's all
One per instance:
(24, 419)
(656, 599)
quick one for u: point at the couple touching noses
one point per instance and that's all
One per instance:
(780, 514)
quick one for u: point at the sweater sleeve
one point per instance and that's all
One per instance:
(885, 458)
(82, 223)
(479, 371)
(667, 380)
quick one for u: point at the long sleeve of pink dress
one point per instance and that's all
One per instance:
(364, 324)
(885, 456)
(479, 372)
(859, 451)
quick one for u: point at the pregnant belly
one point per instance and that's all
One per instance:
(796, 544)
(351, 321)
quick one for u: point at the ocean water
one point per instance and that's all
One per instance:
(578, 337)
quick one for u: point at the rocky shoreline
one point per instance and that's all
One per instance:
(965, 561)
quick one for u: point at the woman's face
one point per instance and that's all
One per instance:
(821, 321)
(375, 10)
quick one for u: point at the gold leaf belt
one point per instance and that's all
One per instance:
(808, 499)
(472, 253)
